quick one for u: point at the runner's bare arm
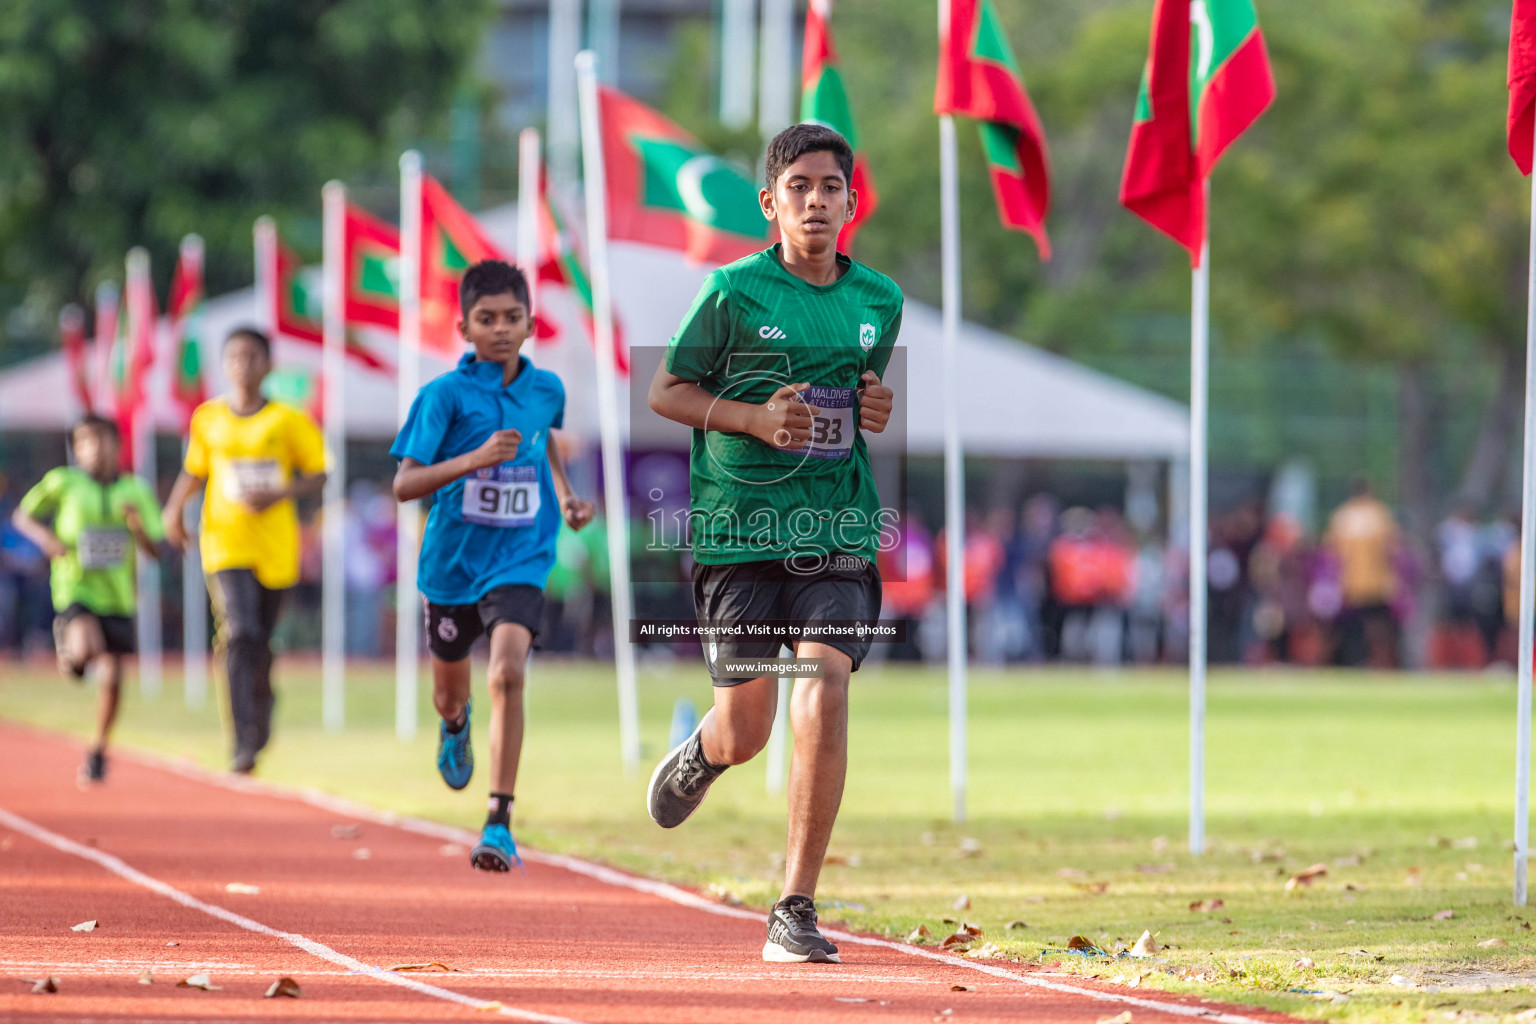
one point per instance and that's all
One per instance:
(577, 513)
(135, 524)
(416, 480)
(175, 506)
(778, 421)
(40, 534)
(875, 401)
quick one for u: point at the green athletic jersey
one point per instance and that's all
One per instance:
(754, 328)
(88, 517)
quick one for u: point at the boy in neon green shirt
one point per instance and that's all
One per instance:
(89, 519)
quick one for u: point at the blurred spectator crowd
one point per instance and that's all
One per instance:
(1043, 583)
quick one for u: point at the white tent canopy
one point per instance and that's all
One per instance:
(1025, 403)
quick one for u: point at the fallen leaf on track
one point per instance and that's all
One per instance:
(987, 951)
(1489, 943)
(918, 934)
(1306, 876)
(851, 860)
(435, 965)
(1444, 915)
(962, 988)
(284, 986)
(242, 889)
(42, 986)
(1206, 906)
(362, 853)
(962, 903)
(1096, 888)
(173, 943)
(969, 847)
(849, 999)
(346, 831)
(1145, 946)
(1304, 964)
(201, 981)
(1015, 924)
(1119, 1018)
(966, 934)
(146, 978)
(83, 926)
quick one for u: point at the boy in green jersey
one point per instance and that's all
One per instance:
(777, 368)
(89, 519)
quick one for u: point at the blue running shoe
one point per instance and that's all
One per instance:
(496, 851)
(455, 761)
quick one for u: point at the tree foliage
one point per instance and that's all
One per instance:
(137, 121)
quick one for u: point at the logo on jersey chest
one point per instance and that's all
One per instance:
(867, 336)
(771, 333)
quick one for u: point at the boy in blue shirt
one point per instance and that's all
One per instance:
(477, 438)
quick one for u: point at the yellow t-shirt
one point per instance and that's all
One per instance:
(236, 455)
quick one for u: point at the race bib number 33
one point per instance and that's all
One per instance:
(502, 496)
(833, 428)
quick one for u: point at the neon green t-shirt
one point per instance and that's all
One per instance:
(88, 516)
(753, 328)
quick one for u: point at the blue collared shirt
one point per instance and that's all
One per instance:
(461, 560)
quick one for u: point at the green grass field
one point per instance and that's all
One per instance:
(1402, 786)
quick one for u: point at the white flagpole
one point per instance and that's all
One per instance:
(141, 319)
(107, 312)
(194, 591)
(333, 364)
(617, 510)
(1527, 576)
(528, 159)
(954, 465)
(777, 759)
(265, 291)
(408, 517)
(738, 43)
(1199, 398)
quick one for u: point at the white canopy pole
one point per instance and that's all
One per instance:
(408, 517)
(617, 510)
(333, 363)
(738, 43)
(954, 465)
(1199, 388)
(194, 590)
(141, 319)
(1527, 574)
(528, 212)
(560, 119)
(777, 74)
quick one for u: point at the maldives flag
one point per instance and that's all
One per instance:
(72, 341)
(561, 264)
(1522, 82)
(372, 256)
(824, 101)
(1207, 79)
(187, 385)
(451, 241)
(299, 304)
(666, 189)
(979, 78)
(297, 295)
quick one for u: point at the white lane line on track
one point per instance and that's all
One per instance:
(125, 871)
(662, 890)
(128, 970)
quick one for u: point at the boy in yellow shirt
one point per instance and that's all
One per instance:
(255, 457)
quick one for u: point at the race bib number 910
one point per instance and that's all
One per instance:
(833, 428)
(502, 496)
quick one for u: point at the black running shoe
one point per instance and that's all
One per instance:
(94, 768)
(793, 937)
(679, 783)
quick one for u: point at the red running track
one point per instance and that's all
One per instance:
(151, 855)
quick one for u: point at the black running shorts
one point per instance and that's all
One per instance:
(118, 631)
(844, 589)
(453, 628)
